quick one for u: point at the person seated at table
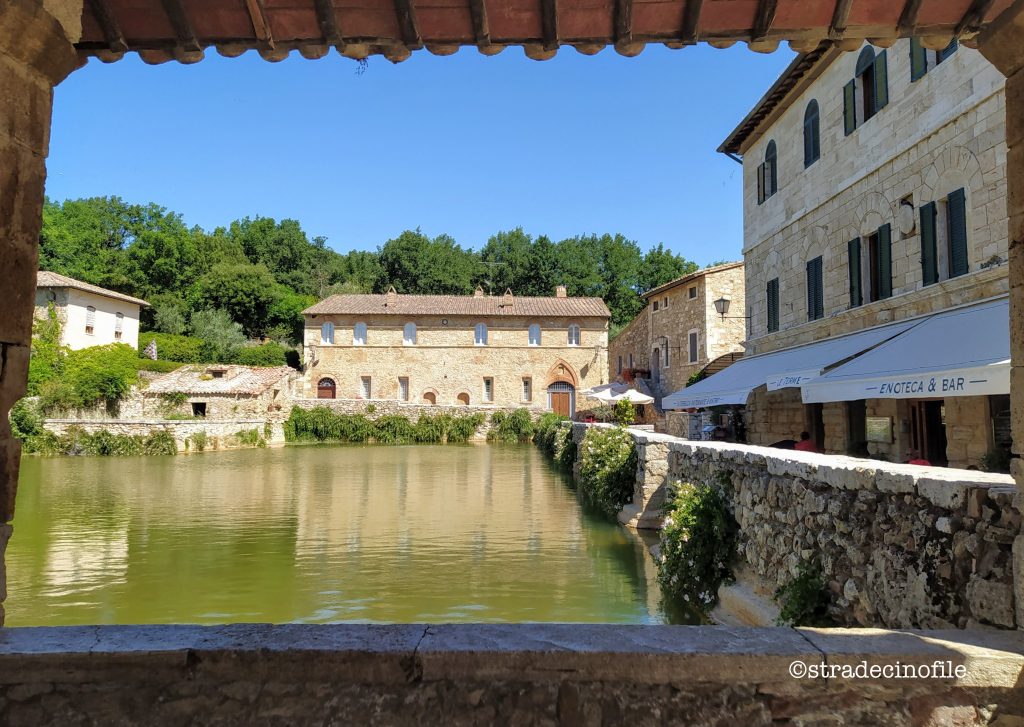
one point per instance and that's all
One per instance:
(806, 444)
(914, 457)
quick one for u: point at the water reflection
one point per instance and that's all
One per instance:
(318, 534)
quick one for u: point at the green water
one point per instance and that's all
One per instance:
(318, 535)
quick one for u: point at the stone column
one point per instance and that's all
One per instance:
(1003, 44)
(36, 53)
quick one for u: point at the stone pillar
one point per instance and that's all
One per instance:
(36, 53)
(1003, 44)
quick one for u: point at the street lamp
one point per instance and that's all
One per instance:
(722, 306)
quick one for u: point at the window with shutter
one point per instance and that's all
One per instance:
(929, 247)
(946, 52)
(881, 81)
(815, 290)
(918, 60)
(956, 208)
(771, 175)
(773, 305)
(693, 345)
(812, 134)
(856, 291)
(884, 262)
(760, 183)
(850, 107)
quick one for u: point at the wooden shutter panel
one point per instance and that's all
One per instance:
(810, 290)
(760, 183)
(957, 217)
(850, 107)
(884, 262)
(815, 293)
(808, 143)
(918, 60)
(819, 302)
(773, 305)
(929, 252)
(856, 289)
(816, 138)
(881, 70)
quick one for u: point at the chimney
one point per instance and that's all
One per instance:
(506, 300)
(479, 292)
(560, 291)
(392, 296)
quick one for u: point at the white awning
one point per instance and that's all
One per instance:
(962, 352)
(780, 369)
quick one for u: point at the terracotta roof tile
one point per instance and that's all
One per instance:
(249, 380)
(456, 305)
(46, 279)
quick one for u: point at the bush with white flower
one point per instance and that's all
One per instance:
(607, 468)
(698, 545)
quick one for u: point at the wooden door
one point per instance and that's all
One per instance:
(560, 402)
(326, 389)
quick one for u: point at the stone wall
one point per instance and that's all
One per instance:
(900, 546)
(219, 433)
(529, 674)
(633, 340)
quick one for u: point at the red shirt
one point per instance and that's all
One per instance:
(921, 461)
(805, 445)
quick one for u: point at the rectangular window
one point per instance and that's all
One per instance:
(956, 220)
(856, 289)
(881, 263)
(664, 302)
(527, 388)
(631, 361)
(488, 390)
(90, 320)
(619, 371)
(692, 292)
(918, 60)
(850, 107)
(815, 290)
(929, 245)
(118, 326)
(198, 408)
(359, 335)
(665, 365)
(773, 305)
(403, 388)
(365, 389)
(655, 305)
(693, 344)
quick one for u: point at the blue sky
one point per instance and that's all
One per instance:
(465, 145)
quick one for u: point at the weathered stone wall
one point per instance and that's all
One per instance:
(530, 674)
(900, 546)
(35, 54)
(219, 433)
(635, 340)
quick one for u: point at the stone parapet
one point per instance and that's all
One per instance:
(568, 674)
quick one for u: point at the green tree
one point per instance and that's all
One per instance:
(102, 373)
(247, 292)
(415, 263)
(661, 266)
(222, 336)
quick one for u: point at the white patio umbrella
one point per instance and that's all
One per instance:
(614, 387)
(631, 395)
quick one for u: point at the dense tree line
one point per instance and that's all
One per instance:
(262, 272)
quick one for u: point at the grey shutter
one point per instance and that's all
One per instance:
(850, 106)
(884, 262)
(760, 183)
(856, 289)
(918, 60)
(815, 293)
(929, 252)
(816, 137)
(819, 303)
(773, 305)
(881, 70)
(808, 145)
(957, 216)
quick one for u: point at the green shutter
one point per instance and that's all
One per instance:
(856, 289)
(760, 183)
(808, 144)
(881, 70)
(850, 106)
(884, 262)
(815, 293)
(820, 300)
(918, 60)
(772, 176)
(956, 209)
(816, 137)
(929, 253)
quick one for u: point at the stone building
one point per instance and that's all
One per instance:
(500, 351)
(679, 332)
(874, 200)
(220, 391)
(91, 315)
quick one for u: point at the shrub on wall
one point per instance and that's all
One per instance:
(625, 412)
(170, 347)
(804, 600)
(76, 441)
(514, 427)
(607, 468)
(269, 354)
(160, 367)
(548, 431)
(698, 545)
(101, 374)
(320, 424)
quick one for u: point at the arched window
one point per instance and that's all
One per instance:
(326, 389)
(90, 320)
(118, 326)
(480, 334)
(430, 398)
(812, 134)
(574, 335)
(359, 335)
(868, 92)
(463, 399)
(534, 334)
(409, 334)
(768, 173)
(326, 333)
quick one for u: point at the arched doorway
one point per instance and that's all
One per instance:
(656, 365)
(562, 398)
(326, 389)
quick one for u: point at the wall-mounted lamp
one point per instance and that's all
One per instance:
(722, 306)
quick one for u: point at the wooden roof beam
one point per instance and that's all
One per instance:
(549, 22)
(260, 24)
(908, 18)
(837, 30)
(974, 17)
(765, 17)
(108, 24)
(328, 20)
(624, 42)
(182, 27)
(407, 22)
(481, 27)
(691, 21)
